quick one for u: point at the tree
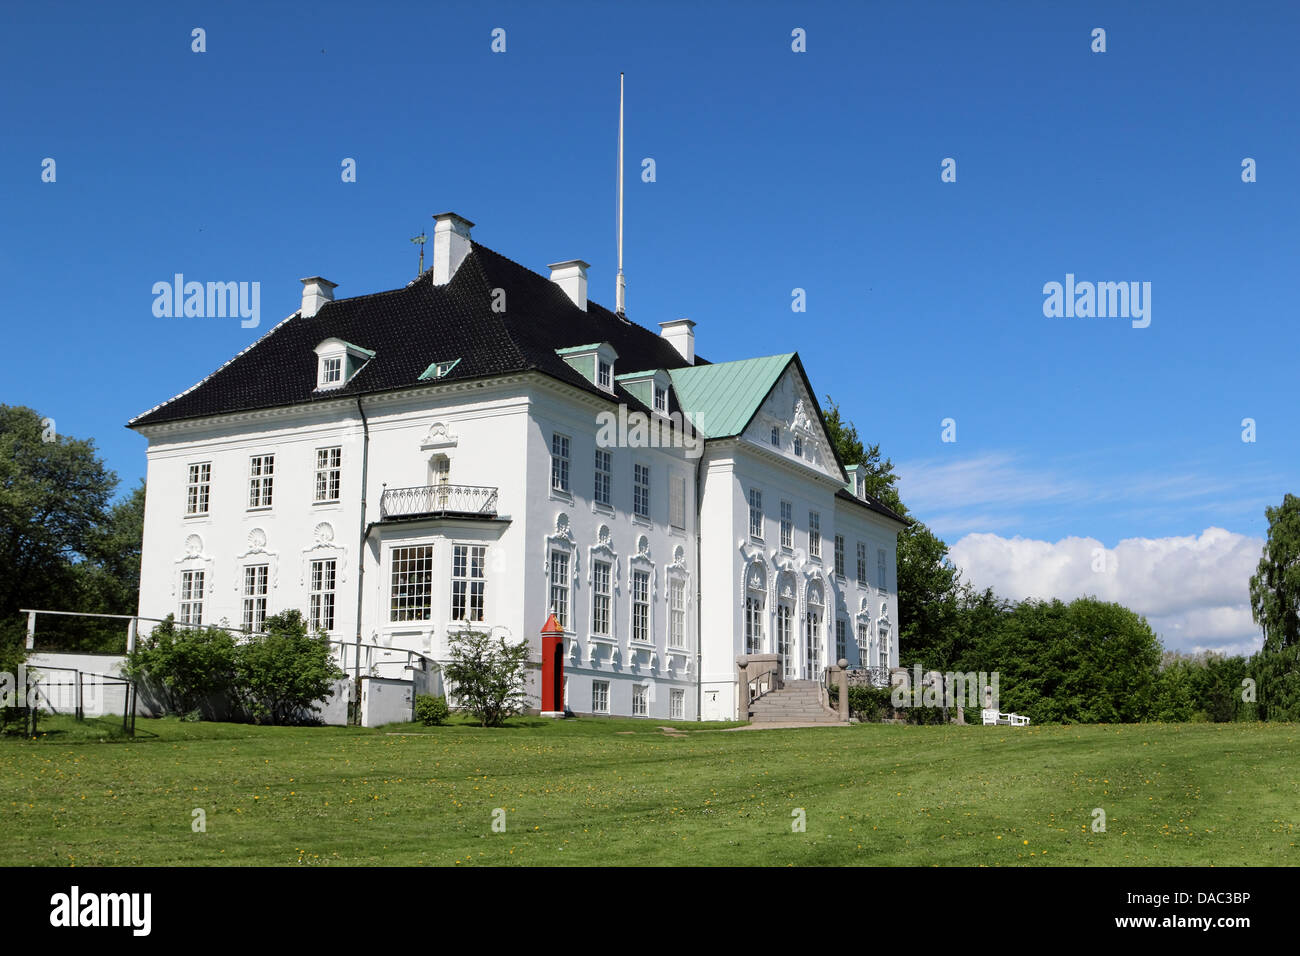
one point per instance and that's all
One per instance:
(186, 666)
(487, 675)
(53, 493)
(1275, 606)
(110, 573)
(282, 672)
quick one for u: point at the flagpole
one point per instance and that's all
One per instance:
(620, 291)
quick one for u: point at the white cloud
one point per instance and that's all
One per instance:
(1194, 590)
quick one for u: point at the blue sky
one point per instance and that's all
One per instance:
(775, 170)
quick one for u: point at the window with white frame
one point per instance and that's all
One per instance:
(841, 640)
(864, 642)
(411, 590)
(814, 534)
(676, 704)
(677, 501)
(604, 375)
(256, 579)
(468, 579)
(884, 644)
(604, 484)
(756, 513)
(880, 568)
(641, 606)
(329, 471)
(261, 479)
(560, 463)
(754, 622)
(640, 700)
(776, 436)
(641, 490)
(600, 697)
(560, 587)
(677, 614)
(601, 572)
(324, 575)
(661, 400)
(787, 525)
(784, 628)
(331, 371)
(862, 564)
(813, 633)
(798, 446)
(198, 490)
(191, 609)
(839, 555)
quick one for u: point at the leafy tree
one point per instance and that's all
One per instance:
(1275, 606)
(187, 666)
(488, 675)
(110, 573)
(54, 492)
(282, 672)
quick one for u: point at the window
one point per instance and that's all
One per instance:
(798, 446)
(560, 463)
(864, 643)
(604, 376)
(600, 597)
(776, 436)
(329, 462)
(661, 400)
(641, 606)
(841, 640)
(255, 588)
(814, 534)
(331, 370)
(862, 564)
(754, 624)
(640, 700)
(884, 646)
(411, 594)
(676, 704)
(191, 597)
(261, 476)
(756, 513)
(467, 581)
(600, 697)
(560, 587)
(604, 476)
(784, 617)
(677, 501)
(198, 491)
(641, 491)
(677, 614)
(787, 525)
(813, 635)
(880, 568)
(839, 555)
(321, 606)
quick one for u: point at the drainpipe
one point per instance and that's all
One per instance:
(361, 553)
(699, 611)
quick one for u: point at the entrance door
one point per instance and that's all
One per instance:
(784, 620)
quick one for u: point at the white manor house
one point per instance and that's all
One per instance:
(486, 446)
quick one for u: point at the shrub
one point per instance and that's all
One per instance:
(488, 675)
(430, 710)
(282, 672)
(186, 665)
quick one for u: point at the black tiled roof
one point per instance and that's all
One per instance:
(409, 329)
(872, 503)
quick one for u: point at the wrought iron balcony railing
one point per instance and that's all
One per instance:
(435, 500)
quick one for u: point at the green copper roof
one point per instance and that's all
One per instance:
(721, 399)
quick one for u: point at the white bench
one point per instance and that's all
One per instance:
(992, 717)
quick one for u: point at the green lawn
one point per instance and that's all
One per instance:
(620, 791)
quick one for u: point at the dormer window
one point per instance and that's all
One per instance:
(338, 362)
(798, 447)
(661, 400)
(439, 369)
(594, 362)
(776, 436)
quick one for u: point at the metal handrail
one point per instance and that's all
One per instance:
(438, 499)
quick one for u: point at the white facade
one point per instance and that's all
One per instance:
(253, 513)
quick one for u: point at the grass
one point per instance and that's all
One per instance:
(592, 791)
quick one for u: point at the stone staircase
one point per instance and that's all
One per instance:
(798, 702)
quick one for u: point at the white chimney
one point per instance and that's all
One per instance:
(315, 293)
(571, 276)
(681, 334)
(450, 245)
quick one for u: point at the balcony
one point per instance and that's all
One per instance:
(438, 501)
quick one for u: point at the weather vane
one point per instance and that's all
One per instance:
(421, 239)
